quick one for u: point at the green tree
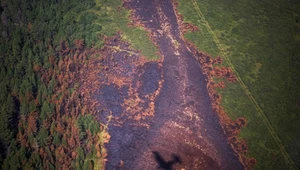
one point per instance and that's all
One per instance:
(42, 137)
(45, 110)
(56, 138)
(6, 135)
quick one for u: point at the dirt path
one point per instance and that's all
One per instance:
(161, 111)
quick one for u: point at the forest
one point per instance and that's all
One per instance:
(43, 123)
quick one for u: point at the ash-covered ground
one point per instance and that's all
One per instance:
(159, 113)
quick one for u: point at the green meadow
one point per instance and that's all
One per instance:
(113, 20)
(260, 41)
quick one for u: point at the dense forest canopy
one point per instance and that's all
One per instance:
(42, 123)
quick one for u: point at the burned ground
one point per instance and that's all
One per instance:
(161, 105)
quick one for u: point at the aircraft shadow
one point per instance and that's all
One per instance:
(163, 164)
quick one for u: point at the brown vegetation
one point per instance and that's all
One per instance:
(183, 26)
(68, 104)
(231, 127)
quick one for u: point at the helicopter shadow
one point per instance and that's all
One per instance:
(163, 164)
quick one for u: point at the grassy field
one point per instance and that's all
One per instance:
(113, 19)
(260, 41)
